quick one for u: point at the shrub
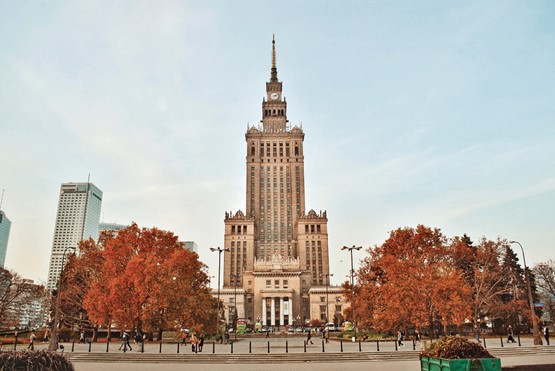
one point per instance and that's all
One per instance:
(455, 347)
(35, 360)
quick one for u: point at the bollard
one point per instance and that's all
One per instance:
(413, 344)
(107, 344)
(250, 347)
(90, 343)
(501, 340)
(518, 336)
(196, 348)
(304, 342)
(286, 347)
(213, 347)
(177, 347)
(268, 346)
(485, 345)
(323, 348)
(15, 342)
(232, 347)
(160, 351)
(396, 345)
(72, 345)
(378, 345)
(341, 345)
(359, 346)
(143, 346)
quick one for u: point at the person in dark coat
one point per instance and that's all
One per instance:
(546, 334)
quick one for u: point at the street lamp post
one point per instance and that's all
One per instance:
(353, 286)
(327, 296)
(235, 278)
(54, 332)
(219, 250)
(537, 337)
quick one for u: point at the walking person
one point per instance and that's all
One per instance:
(477, 334)
(416, 336)
(327, 335)
(546, 334)
(32, 341)
(510, 335)
(82, 337)
(193, 341)
(400, 338)
(309, 337)
(184, 338)
(125, 342)
(200, 342)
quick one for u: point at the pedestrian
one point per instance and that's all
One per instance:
(546, 334)
(32, 341)
(82, 337)
(45, 339)
(400, 338)
(125, 342)
(327, 335)
(309, 337)
(477, 334)
(193, 341)
(510, 335)
(184, 337)
(268, 332)
(226, 336)
(416, 336)
(200, 342)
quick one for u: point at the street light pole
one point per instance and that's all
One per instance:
(327, 296)
(537, 337)
(235, 278)
(53, 346)
(353, 285)
(219, 250)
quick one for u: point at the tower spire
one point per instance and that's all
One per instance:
(274, 68)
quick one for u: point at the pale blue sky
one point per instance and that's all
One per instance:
(432, 112)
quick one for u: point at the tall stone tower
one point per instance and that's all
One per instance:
(277, 251)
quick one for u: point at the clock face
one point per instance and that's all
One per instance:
(274, 96)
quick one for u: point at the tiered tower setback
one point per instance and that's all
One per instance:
(277, 251)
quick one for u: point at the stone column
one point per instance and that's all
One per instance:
(263, 311)
(291, 317)
(273, 312)
(281, 312)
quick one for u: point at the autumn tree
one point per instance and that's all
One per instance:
(18, 298)
(496, 279)
(144, 279)
(410, 280)
(545, 281)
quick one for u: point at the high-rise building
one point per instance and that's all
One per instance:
(277, 250)
(112, 227)
(191, 245)
(5, 225)
(76, 219)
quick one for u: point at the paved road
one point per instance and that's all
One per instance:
(258, 345)
(367, 366)
(402, 359)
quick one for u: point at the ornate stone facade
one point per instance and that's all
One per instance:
(277, 251)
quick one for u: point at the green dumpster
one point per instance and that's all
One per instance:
(479, 364)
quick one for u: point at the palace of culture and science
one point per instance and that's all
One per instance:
(276, 263)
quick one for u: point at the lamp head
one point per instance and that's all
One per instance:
(214, 249)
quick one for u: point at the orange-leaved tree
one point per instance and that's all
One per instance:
(149, 282)
(410, 281)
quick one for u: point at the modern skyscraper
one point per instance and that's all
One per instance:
(77, 219)
(277, 251)
(5, 225)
